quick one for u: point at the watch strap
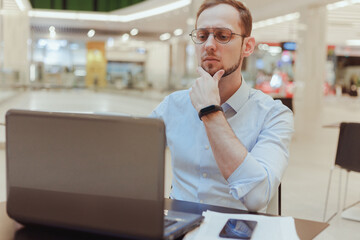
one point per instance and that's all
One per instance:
(209, 109)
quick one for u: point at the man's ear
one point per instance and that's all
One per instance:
(249, 46)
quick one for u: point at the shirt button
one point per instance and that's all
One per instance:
(207, 147)
(204, 175)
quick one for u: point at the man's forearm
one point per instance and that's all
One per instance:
(228, 151)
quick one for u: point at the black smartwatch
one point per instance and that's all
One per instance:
(209, 109)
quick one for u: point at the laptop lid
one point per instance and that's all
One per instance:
(96, 173)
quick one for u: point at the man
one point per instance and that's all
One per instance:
(233, 155)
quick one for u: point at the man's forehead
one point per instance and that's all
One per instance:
(222, 15)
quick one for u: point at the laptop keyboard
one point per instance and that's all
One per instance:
(168, 222)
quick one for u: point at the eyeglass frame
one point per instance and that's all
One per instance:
(232, 33)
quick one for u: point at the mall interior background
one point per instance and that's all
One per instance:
(308, 51)
(47, 48)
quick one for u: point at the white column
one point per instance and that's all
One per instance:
(157, 66)
(1, 37)
(310, 70)
(178, 51)
(191, 60)
(16, 32)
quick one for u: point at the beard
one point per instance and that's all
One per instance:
(232, 69)
(210, 68)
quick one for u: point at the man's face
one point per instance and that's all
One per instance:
(212, 55)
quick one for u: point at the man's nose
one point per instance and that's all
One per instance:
(210, 43)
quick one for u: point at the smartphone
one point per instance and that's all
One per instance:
(238, 229)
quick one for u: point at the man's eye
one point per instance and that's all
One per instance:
(201, 35)
(223, 35)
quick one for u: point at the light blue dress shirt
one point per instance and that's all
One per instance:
(262, 125)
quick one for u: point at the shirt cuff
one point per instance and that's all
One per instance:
(246, 177)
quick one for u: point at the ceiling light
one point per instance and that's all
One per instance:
(341, 4)
(336, 5)
(52, 14)
(276, 20)
(125, 37)
(20, 5)
(91, 33)
(353, 42)
(134, 31)
(156, 11)
(109, 17)
(178, 32)
(165, 36)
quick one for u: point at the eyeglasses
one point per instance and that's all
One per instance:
(221, 35)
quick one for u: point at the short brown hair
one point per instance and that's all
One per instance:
(244, 13)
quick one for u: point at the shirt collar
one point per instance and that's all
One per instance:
(238, 99)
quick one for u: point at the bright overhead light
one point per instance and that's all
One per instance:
(178, 32)
(156, 11)
(109, 17)
(165, 36)
(125, 37)
(276, 20)
(91, 33)
(353, 42)
(341, 4)
(336, 5)
(52, 14)
(20, 5)
(134, 31)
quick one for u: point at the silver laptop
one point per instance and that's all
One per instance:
(90, 172)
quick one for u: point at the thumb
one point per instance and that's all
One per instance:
(217, 76)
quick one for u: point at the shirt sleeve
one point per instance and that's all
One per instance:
(255, 181)
(159, 111)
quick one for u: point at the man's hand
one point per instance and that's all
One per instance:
(205, 91)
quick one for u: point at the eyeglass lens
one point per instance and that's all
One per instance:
(222, 35)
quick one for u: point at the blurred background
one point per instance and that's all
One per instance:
(139, 44)
(126, 55)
